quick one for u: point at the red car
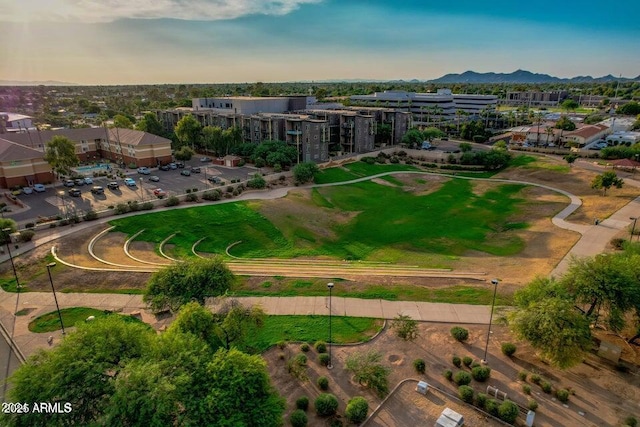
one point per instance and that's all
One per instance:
(159, 193)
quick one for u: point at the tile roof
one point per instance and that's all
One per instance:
(587, 131)
(12, 151)
(38, 139)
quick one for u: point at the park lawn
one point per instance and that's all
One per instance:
(311, 329)
(357, 170)
(70, 317)
(31, 271)
(540, 163)
(336, 174)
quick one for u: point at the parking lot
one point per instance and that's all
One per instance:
(57, 201)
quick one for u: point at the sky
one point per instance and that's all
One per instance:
(219, 41)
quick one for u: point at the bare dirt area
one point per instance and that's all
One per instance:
(600, 395)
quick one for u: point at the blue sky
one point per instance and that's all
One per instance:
(207, 41)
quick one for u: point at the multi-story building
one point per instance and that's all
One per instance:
(533, 98)
(250, 104)
(20, 165)
(11, 122)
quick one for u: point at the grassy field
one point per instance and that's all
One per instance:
(448, 221)
(313, 328)
(357, 170)
(541, 163)
(70, 317)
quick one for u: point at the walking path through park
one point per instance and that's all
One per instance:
(593, 241)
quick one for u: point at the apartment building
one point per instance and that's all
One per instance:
(531, 98)
(247, 105)
(12, 122)
(23, 166)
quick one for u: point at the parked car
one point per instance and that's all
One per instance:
(129, 182)
(17, 192)
(96, 189)
(159, 193)
(180, 165)
(27, 190)
(214, 179)
(69, 183)
(164, 168)
(39, 188)
(185, 172)
(74, 192)
(79, 181)
(113, 185)
(144, 170)
(205, 159)
(195, 170)
(173, 166)
(154, 178)
(88, 180)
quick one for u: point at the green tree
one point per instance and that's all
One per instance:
(198, 321)
(412, 138)
(122, 122)
(383, 134)
(184, 153)
(149, 123)
(570, 159)
(565, 123)
(257, 182)
(631, 108)
(367, 370)
(234, 321)
(500, 145)
(60, 153)
(606, 180)
(193, 280)
(213, 140)
(357, 410)
(11, 225)
(431, 133)
(305, 172)
(231, 138)
(569, 105)
(188, 131)
(405, 327)
(465, 147)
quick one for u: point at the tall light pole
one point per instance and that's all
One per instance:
(330, 365)
(49, 266)
(141, 191)
(7, 233)
(494, 282)
(633, 228)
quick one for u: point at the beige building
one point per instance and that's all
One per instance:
(22, 166)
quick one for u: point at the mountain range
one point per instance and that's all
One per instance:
(523, 76)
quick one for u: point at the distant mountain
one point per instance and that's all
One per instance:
(522, 76)
(35, 83)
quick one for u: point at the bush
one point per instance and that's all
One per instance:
(460, 334)
(211, 195)
(467, 361)
(546, 386)
(326, 405)
(508, 349)
(91, 215)
(631, 421)
(562, 395)
(134, 206)
(481, 373)
(281, 344)
(321, 346)
(617, 243)
(305, 347)
(462, 378)
(367, 370)
(188, 190)
(481, 399)
(324, 359)
(532, 405)
(122, 208)
(323, 383)
(475, 365)
(465, 393)
(491, 406)
(27, 235)
(300, 359)
(192, 197)
(172, 201)
(302, 403)
(419, 366)
(448, 374)
(456, 361)
(508, 411)
(526, 388)
(535, 378)
(257, 182)
(357, 410)
(522, 375)
(146, 206)
(29, 225)
(298, 418)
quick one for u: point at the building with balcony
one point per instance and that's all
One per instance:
(532, 98)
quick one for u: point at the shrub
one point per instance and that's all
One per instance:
(481, 399)
(194, 190)
(357, 410)
(91, 215)
(419, 366)
(481, 373)
(448, 374)
(305, 347)
(110, 207)
(326, 405)
(172, 201)
(302, 403)
(522, 375)
(281, 344)
(133, 206)
(508, 349)
(535, 378)
(192, 197)
(405, 327)
(562, 395)
(257, 182)
(300, 359)
(456, 361)
(27, 235)
(526, 388)
(29, 225)
(532, 405)
(367, 370)
(230, 188)
(462, 378)
(508, 411)
(323, 383)
(212, 195)
(321, 346)
(335, 422)
(460, 334)
(467, 361)
(146, 206)
(298, 418)
(631, 421)
(324, 359)
(546, 386)
(277, 168)
(491, 406)
(122, 208)
(617, 243)
(465, 393)
(475, 365)
(394, 159)
(188, 190)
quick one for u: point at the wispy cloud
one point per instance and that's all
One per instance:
(112, 10)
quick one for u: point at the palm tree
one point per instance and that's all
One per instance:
(549, 132)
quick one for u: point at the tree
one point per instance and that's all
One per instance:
(367, 370)
(565, 123)
(60, 153)
(570, 158)
(12, 227)
(606, 180)
(357, 410)
(188, 131)
(184, 153)
(383, 134)
(431, 133)
(631, 108)
(149, 123)
(212, 140)
(257, 182)
(545, 316)
(305, 172)
(193, 280)
(569, 105)
(405, 327)
(465, 147)
(412, 138)
(198, 321)
(233, 321)
(500, 145)
(122, 122)
(231, 138)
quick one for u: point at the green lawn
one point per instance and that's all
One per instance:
(357, 170)
(70, 317)
(539, 162)
(313, 328)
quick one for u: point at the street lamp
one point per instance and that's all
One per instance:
(63, 210)
(330, 365)
(633, 228)
(141, 191)
(7, 233)
(49, 266)
(494, 282)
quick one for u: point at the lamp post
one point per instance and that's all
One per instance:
(141, 191)
(633, 228)
(63, 210)
(49, 266)
(7, 233)
(494, 282)
(330, 365)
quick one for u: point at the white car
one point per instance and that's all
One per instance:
(88, 180)
(129, 182)
(144, 170)
(27, 190)
(39, 188)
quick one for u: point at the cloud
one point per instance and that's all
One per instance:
(92, 11)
